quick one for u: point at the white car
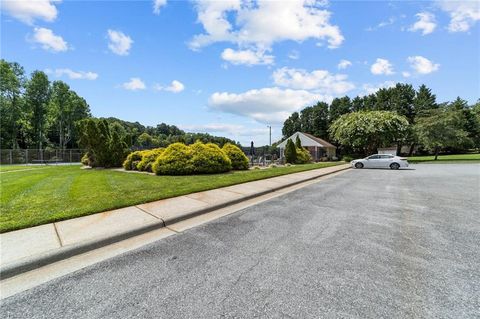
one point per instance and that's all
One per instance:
(380, 161)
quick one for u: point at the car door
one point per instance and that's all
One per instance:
(372, 161)
(384, 161)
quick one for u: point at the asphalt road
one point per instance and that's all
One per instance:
(364, 244)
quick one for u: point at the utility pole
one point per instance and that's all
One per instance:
(270, 128)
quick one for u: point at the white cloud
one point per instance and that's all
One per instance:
(157, 4)
(382, 66)
(343, 64)
(247, 57)
(174, 87)
(372, 88)
(29, 11)
(120, 43)
(426, 23)
(266, 105)
(134, 84)
(262, 23)
(320, 81)
(463, 14)
(422, 65)
(48, 40)
(294, 55)
(382, 24)
(74, 75)
(406, 74)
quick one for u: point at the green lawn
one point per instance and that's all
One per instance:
(9, 168)
(459, 158)
(53, 193)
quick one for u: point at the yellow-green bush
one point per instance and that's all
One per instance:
(132, 160)
(175, 160)
(236, 156)
(303, 156)
(148, 158)
(209, 158)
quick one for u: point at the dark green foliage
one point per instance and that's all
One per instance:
(290, 152)
(442, 128)
(291, 125)
(236, 156)
(105, 143)
(298, 143)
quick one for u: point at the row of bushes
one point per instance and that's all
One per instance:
(181, 159)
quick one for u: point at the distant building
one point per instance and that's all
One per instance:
(318, 148)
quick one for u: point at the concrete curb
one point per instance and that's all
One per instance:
(34, 262)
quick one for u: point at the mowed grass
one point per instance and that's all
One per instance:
(459, 158)
(9, 168)
(53, 193)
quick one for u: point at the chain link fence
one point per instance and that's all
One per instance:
(36, 156)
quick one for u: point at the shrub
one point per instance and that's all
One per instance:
(298, 143)
(303, 156)
(87, 159)
(209, 158)
(132, 160)
(104, 142)
(272, 166)
(347, 158)
(148, 158)
(290, 152)
(236, 156)
(175, 160)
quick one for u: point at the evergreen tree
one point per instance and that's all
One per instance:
(298, 143)
(424, 101)
(290, 152)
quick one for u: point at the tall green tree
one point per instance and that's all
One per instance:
(12, 113)
(367, 130)
(292, 125)
(338, 107)
(424, 101)
(440, 129)
(37, 95)
(290, 152)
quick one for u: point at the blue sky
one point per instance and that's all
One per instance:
(233, 67)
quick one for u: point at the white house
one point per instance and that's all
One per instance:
(318, 148)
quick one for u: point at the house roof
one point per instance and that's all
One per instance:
(307, 140)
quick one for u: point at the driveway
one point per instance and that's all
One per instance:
(363, 244)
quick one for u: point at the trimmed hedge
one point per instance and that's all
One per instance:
(132, 160)
(236, 156)
(175, 160)
(148, 158)
(209, 159)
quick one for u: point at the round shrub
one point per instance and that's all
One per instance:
(209, 159)
(175, 160)
(132, 160)
(303, 156)
(148, 158)
(236, 156)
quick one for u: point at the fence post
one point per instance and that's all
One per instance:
(11, 160)
(26, 156)
(70, 156)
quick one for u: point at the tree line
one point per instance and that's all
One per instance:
(36, 113)
(424, 124)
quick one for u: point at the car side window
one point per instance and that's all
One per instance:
(374, 157)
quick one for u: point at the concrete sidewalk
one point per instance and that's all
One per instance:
(30, 248)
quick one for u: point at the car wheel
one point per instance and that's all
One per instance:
(394, 166)
(358, 165)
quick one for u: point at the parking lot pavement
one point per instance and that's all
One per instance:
(363, 244)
